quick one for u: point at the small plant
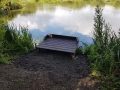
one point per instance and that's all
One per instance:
(79, 50)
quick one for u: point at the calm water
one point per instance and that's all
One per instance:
(62, 20)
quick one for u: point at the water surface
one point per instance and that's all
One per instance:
(57, 19)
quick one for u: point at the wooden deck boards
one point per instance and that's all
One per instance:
(59, 44)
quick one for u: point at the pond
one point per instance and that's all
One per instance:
(44, 19)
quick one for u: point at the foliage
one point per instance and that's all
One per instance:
(17, 40)
(78, 3)
(4, 59)
(13, 5)
(7, 5)
(79, 50)
(2, 31)
(104, 54)
(107, 43)
(14, 42)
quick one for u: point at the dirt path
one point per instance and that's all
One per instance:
(47, 71)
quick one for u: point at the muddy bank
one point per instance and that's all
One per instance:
(45, 70)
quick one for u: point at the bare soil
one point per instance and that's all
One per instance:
(46, 70)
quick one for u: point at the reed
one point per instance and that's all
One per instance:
(15, 41)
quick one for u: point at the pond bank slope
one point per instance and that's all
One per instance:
(41, 70)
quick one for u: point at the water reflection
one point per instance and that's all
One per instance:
(112, 16)
(66, 21)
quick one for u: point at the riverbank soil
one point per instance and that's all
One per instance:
(46, 70)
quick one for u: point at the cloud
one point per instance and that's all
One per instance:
(72, 20)
(80, 21)
(37, 21)
(112, 16)
(32, 25)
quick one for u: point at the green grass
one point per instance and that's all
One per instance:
(4, 59)
(14, 41)
(17, 40)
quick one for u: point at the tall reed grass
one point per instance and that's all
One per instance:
(14, 42)
(17, 40)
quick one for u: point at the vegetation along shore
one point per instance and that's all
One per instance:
(103, 55)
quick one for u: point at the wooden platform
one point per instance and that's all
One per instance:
(62, 43)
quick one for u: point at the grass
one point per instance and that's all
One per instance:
(104, 53)
(4, 59)
(14, 42)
